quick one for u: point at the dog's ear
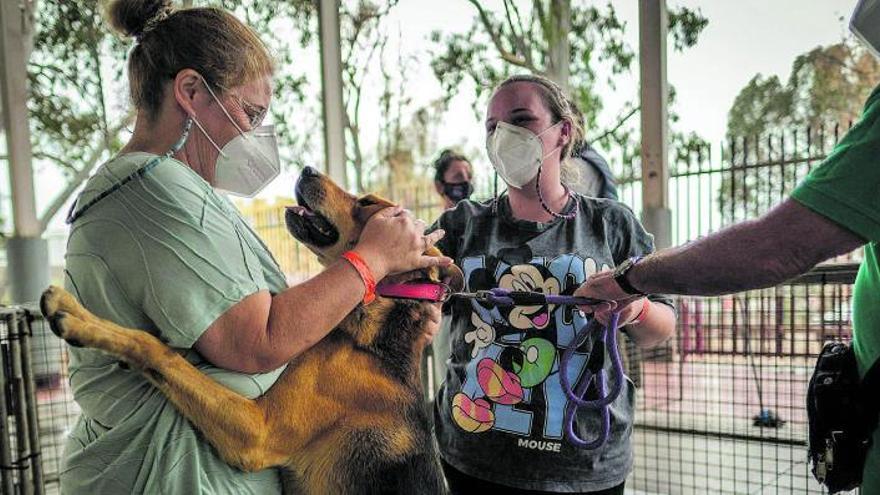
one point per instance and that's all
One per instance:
(369, 205)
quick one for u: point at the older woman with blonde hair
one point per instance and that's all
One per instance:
(155, 245)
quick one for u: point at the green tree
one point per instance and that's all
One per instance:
(572, 44)
(826, 85)
(369, 63)
(799, 120)
(364, 36)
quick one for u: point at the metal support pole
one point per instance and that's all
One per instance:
(333, 105)
(31, 409)
(656, 215)
(22, 434)
(28, 268)
(7, 475)
(28, 256)
(14, 29)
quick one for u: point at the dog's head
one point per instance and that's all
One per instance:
(329, 222)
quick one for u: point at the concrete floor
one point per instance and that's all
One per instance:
(680, 464)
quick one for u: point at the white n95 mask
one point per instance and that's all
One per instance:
(248, 162)
(516, 153)
(865, 24)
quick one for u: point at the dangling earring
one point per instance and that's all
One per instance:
(187, 125)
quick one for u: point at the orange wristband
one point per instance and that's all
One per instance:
(366, 274)
(646, 308)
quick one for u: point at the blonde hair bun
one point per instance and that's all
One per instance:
(131, 17)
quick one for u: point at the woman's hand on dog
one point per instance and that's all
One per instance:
(393, 241)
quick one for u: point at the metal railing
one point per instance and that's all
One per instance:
(722, 408)
(726, 412)
(36, 405)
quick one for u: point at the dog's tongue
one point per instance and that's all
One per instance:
(541, 319)
(301, 211)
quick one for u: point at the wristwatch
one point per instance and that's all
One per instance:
(620, 276)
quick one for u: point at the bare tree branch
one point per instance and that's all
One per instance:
(496, 40)
(81, 175)
(541, 15)
(518, 37)
(355, 68)
(382, 13)
(96, 59)
(45, 155)
(48, 68)
(620, 123)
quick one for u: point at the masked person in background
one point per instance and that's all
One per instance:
(595, 176)
(154, 246)
(453, 176)
(591, 174)
(835, 210)
(499, 414)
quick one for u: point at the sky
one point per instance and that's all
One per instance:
(743, 38)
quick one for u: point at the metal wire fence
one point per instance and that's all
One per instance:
(725, 412)
(721, 408)
(36, 405)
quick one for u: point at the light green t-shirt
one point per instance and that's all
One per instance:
(846, 189)
(166, 254)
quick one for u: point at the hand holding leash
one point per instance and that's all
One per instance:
(628, 314)
(602, 288)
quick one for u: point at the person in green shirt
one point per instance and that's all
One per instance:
(835, 210)
(153, 246)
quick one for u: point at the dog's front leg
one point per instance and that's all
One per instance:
(233, 424)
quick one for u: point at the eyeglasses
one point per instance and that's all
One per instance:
(255, 113)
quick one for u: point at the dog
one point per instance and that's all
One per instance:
(347, 416)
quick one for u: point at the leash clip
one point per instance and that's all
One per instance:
(484, 296)
(445, 293)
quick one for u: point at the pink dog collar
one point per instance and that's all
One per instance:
(420, 291)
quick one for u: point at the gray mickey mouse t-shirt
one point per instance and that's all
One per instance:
(500, 412)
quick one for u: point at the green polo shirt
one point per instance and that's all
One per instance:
(846, 189)
(166, 254)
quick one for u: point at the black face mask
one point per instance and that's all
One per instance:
(457, 191)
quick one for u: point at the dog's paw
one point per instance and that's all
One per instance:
(64, 326)
(49, 301)
(51, 304)
(55, 300)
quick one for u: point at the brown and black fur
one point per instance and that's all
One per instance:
(346, 416)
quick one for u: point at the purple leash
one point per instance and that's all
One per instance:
(576, 396)
(608, 341)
